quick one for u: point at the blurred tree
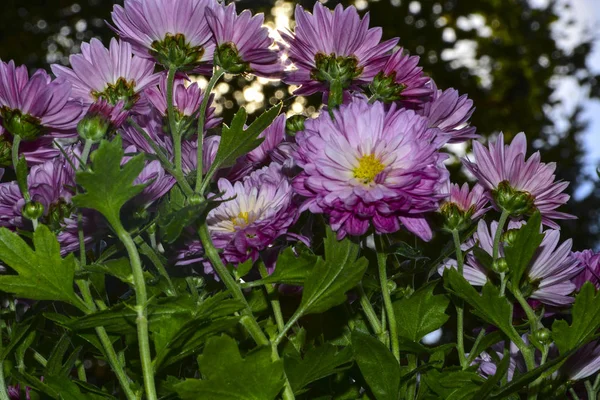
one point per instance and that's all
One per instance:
(503, 53)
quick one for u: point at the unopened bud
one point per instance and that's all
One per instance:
(500, 266)
(25, 126)
(33, 210)
(544, 336)
(516, 202)
(93, 127)
(510, 236)
(295, 124)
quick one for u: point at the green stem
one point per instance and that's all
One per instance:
(3, 391)
(201, 121)
(531, 317)
(39, 358)
(574, 394)
(387, 300)
(411, 387)
(247, 320)
(473, 354)
(87, 147)
(460, 304)
(497, 236)
(81, 375)
(369, 311)
(141, 299)
(590, 390)
(15, 151)
(172, 123)
(275, 298)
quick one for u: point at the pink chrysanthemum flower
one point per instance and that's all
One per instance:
(517, 185)
(112, 74)
(32, 106)
(335, 44)
(462, 205)
(370, 165)
(590, 261)
(401, 79)
(243, 43)
(548, 275)
(174, 33)
(450, 113)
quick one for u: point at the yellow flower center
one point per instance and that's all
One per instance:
(368, 168)
(241, 220)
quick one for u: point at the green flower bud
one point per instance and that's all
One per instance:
(454, 217)
(391, 285)
(516, 202)
(500, 266)
(18, 124)
(93, 127)
(385, 88)
(510, 236)
(33, 210)
(295, 124)
(174, 51)
(332, 68)
(228, 58)
(544, 336)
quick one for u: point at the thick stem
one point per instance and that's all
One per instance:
(460, 304)
(369, 311)
(172, 123)
(387, 300)
(497, 236)
(87, 147)
(141, 299)
(201, 122)
(15, 151)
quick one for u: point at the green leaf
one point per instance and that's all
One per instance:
(237, 141)
(18, 333)
(317, 363)
(292, 269)
(484, 258)
(172, 224)
(421, 313)
(54, 364)
(119, 268)
(42, 273)
(489, 306)
(228, 376)
(522, 249)
(378, 366)
(406, 251)
(243, 269)
(453, 385)
(108, 186)
(586, 321)
(330, 279)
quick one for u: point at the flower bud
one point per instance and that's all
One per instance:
(510, 236)
(25, 126)
(454, 217)
(93, 127)
(294, 124)
(386, 89)
(173, 51)
(516, 202)
(391, 285)
(228, 58)
(33, 210)
(331, 68)
(500, 266)
(544, 336)
(5, 152)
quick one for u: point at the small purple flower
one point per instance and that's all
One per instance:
(159, 183)
(186, 101)
(370, 165)
(450, 113)
(463, 205)
(517, 185)
(94, 228)
(243, 43)
(32, 106)
(334, 44)
(401, 79)
(548, 275)
(14, 393)
(112, 74)
(174, 33)
(590, 261)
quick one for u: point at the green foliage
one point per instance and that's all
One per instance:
(586, 321)
(421, 313)
(292, 269)
(454, 385)
(317, 363)
(332, 277)
(42, 273)
(377, 365)
(227, 376)
(108, 186)
(521, 250)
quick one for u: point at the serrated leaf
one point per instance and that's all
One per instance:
(522, 249)
(586, 321)
(42, 273)
(317, 363)
(228, 376)
(119, 268)
(54, 363)
(237, 141)
(171, 225)
(291, 269)
(406, 251)
(330, 279)
(421, 313)
(378, 366)
(243, 269)
(488, 305)
(108, 186)
(18, 333)
(453, 385)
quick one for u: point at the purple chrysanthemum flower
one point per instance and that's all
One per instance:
(462, 205)
(186, 101)
(112, 74)
(174, 33)
(401, 79)
(548, 275)
(334, 44)
(517, 185)
(14, 393)
(584, 363)
(158, 181)
(590, 261)
(243, 43)
(50, 184)
(31, 105)
(450, 113)
(94, 228)
(370, 165)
